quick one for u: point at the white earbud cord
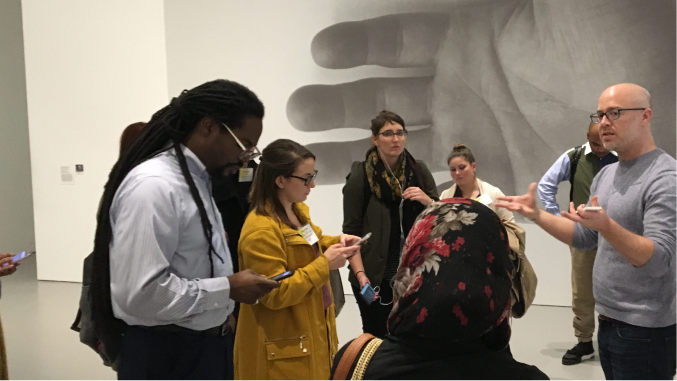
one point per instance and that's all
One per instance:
(402, 186)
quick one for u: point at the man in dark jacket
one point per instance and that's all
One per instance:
(231, 197)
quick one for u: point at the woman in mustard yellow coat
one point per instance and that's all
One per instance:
(291, 332)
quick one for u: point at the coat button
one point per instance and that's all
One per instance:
(305, 350)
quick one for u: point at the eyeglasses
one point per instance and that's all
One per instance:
(612, 114)
(390, 134)
(307, 179)
(247, 154)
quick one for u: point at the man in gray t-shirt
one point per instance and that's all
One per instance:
(631, 218)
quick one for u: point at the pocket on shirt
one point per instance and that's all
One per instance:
(288, 357)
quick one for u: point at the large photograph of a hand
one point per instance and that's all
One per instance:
(513, 80)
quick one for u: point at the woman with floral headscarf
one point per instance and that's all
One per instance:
(452, 301)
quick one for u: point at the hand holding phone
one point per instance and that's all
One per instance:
(21, 256)
(18, 257)
(281, 276)
(363, 240)
(368, 293)
(592, 208)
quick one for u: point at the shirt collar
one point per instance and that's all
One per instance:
(587, 150)
(195, 166)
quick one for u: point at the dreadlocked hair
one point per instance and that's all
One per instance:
(226, 102)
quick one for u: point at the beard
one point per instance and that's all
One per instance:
(616, 146)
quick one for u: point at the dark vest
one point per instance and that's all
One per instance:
(586, 170)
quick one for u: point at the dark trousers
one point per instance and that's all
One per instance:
(149, 354)
(230, 364)
(375, 315)
(630, 352)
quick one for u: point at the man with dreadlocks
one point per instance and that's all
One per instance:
(162, 279)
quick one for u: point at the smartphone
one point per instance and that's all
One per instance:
(368, 293)
(20, 256)
(284, 275)
(593, 208)
(363, 240)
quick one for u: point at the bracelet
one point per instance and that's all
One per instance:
(361, 271)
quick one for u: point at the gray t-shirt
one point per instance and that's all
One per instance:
(640, 195)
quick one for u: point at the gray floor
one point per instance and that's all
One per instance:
(36, 317)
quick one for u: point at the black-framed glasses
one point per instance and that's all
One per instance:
(247, 154)
(306, 180)
(612, 114)
(390, 134)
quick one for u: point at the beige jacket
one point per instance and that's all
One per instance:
(524, 277)
(491, 191)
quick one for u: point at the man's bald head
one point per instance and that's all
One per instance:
(629, 133)
(634, 94)
(593, 127)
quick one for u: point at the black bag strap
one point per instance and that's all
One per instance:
(366, 189)
(76, 324)
(575, 158)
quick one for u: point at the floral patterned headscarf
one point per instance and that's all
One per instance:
(454, 280)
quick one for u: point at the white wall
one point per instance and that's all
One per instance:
(266, 46)
(16, 198)
(551, 260)
(92, 68)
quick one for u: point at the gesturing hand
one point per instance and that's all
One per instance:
(247, 286)
(524, 205)
(592, 219)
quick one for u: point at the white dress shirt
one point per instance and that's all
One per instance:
(485, 189)
(159, 264)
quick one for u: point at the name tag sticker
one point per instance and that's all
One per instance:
(308, 234)
(484, 199)
(246, 175)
